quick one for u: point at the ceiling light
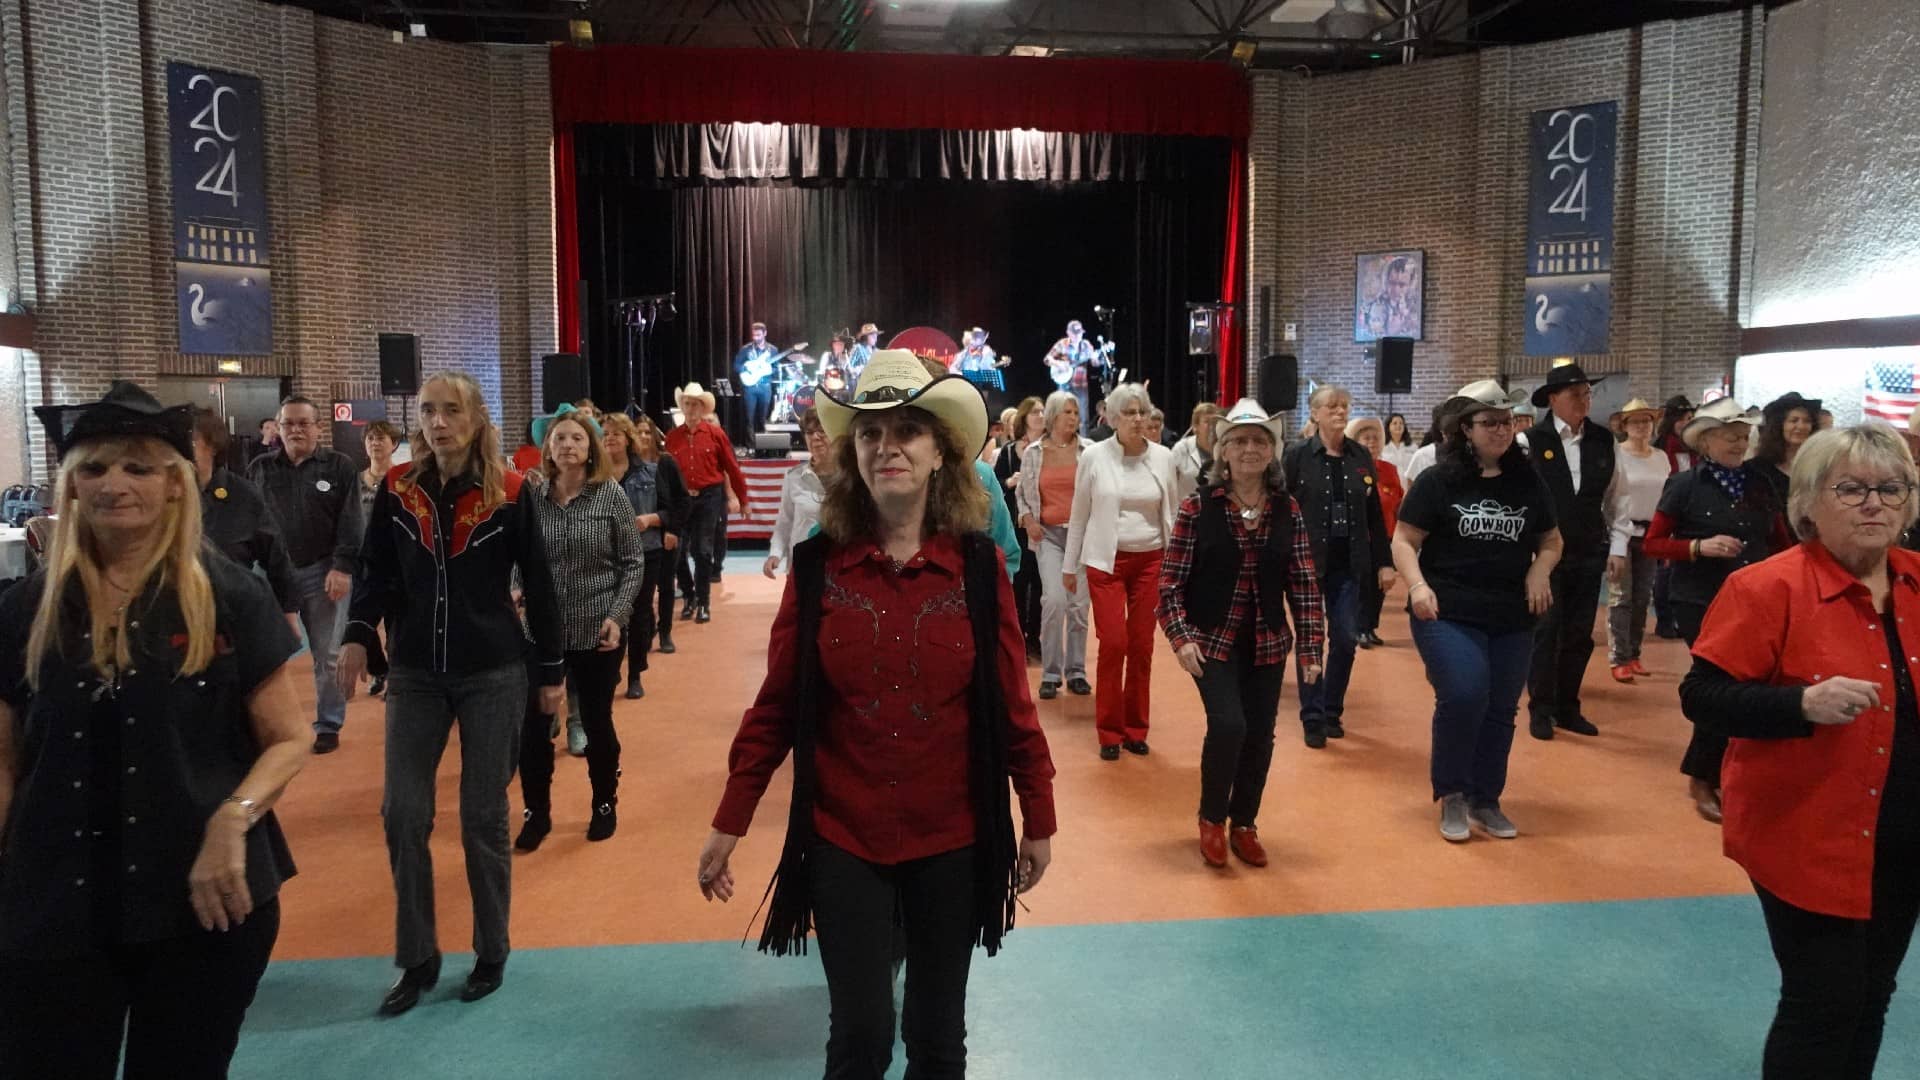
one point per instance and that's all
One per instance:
(1030, 50)
(418, 29)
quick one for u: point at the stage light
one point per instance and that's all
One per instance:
(581, 31)
(418, 29)
(1243, 51)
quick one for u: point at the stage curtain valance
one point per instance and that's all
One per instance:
(675, 154)
(650, 85)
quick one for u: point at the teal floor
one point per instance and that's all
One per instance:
(1656, 989)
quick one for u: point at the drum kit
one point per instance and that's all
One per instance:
(794, 392)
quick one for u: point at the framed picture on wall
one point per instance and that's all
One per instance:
(1388, 287)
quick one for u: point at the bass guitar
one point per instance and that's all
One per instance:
(755, 370)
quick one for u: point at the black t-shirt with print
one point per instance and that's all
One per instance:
(1481, 535)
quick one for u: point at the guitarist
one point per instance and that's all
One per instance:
(1068, 362)
(753, 373)
(862, 352)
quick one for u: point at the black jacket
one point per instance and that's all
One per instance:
(234, 519)
(439, 570)
(316, 504)
(1582, 515)
(1367, 548)
(1701, 508)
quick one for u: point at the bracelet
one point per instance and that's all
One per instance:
(1693, 552)
(1419, 585)
(247, 806)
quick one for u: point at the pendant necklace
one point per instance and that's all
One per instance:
(1249, 514)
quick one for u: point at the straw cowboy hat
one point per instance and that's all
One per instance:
(544, 424)
(692, 390)
(869, 328)
(1559, 379)
(1247, 413)
(1638, 406)
(896, 377)
(1716, 413)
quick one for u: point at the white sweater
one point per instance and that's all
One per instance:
(1091, 532)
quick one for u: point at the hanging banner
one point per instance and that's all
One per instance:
(217, 143)
(1570, 230)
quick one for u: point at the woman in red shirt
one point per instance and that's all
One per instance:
(1369, 433)
(1807, 663)
(897, 645)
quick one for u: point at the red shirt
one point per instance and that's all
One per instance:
(897, 651)
(706, 458)
(526, 459)
(1391, 492)
(1801, 814)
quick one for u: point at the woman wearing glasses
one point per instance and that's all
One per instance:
(1806, 663)
(1713, 519)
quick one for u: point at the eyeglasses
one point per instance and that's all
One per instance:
(1494, 425)
(1854, 493)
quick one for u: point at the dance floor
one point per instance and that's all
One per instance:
(1610, 940)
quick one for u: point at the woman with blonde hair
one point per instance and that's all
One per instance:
(438, 566)
(148, 724)
(1048, 473)
(900, 609)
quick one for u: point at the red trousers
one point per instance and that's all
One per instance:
(1123, 621)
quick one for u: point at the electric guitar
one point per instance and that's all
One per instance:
(1060, 368)
(755, 371)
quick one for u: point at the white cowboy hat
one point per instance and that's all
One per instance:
(1716, 413)
(1489, 394)
(692, 390)
(896, 377)
(1247, 413)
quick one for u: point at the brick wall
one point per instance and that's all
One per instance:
(409, 188)
(1434, 156)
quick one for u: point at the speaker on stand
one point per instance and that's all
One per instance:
(1279, 385)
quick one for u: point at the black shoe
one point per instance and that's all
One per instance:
(1049, 691)
(1080, 686)
(1670, 633)
(1316, 738)
(1363, 640)
(702, 614)
(687, 612)
(1371, 639)
(1136, 747)
(378, 686)
(1540, 727)
(413, 982)
(1334, 729)
(666, 642)
(1110, 753)
(486, 978)
(1579, 725)
(634, 690)
(326, 742)
(534, 831)
(603, 823)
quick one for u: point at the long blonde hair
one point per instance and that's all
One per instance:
(75, 552)
(486, 458)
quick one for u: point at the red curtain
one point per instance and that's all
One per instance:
(1232, 336)
(648, 84)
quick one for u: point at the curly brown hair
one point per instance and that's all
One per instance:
(956, 500)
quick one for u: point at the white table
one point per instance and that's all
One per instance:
(13, 553)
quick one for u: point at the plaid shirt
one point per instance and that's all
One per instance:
(1270, 646)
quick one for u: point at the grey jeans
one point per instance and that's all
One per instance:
(1627, 606)
(324, 622)
(421, 709)
(1063, 614)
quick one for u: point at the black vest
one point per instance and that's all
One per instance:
(1705, 509)
(1217, 561)
(1582, 515)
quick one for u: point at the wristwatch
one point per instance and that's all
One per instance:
(247, 806)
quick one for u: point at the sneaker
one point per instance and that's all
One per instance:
(1049, 691)
(576, 738)
(1491, 821)
(1622, 673)
(1454, 819)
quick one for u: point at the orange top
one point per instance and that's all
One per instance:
(1056, 493)
(1801, 813)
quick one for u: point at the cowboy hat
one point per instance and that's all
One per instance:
(1559, 379)
(1489, 394)
(896, 377)
(972, 330)
(1776, 410)
(125, 410)
(1525, 408)
(1717, 413)
(692, 390)
(1247, 413)
(869, 328)
(1678, 403)
(1637, 406)
(544, 424)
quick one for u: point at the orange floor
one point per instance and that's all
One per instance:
(1350, 828)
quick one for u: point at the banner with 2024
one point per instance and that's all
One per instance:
(1570, 229)
(221, 237)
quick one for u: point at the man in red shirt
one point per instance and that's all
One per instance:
(714, 479)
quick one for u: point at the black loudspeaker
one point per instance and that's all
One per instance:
(399, 364)
(1393, 369)
(563, 381)
(1279, 388)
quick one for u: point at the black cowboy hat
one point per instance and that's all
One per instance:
(126, 410)
(1559, 379)
(1777, 409)
(1678, 403)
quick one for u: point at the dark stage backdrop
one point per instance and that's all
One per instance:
(1019, 258)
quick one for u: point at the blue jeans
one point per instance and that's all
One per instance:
(324, 622)
(1477, 678)
(1326, 700)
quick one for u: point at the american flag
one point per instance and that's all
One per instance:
(1892, 394)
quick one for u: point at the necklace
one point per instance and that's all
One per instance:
(1249, 513)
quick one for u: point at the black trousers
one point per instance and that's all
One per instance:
(1026, 590)
(855, 907)
(377, 659)
(1563, 638)
(656, 593)
(593, 676)
(1242, 700)
(1371, 605)
(178, 1003)
(703, 543)
(1705, 749)
(1836, 979)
